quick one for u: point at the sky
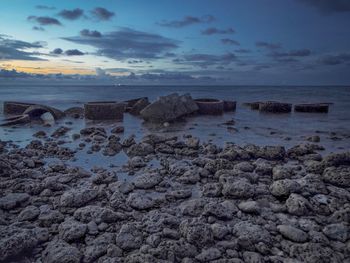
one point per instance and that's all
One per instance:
(230, 42)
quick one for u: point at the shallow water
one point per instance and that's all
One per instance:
(251, 126)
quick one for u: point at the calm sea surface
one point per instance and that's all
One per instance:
(263, 129)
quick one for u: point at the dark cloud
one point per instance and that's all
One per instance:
(57, 51)
(329, 6)
(71, 14)
(11, 49)
(73, 52)
(187, 21)
(242, 50)
(228, 41)
(44, 20)
(12, 74)
(90, 33)
(45, 7)
(38, 28)
(292, 53)
(268, 45)
(214, 30)
(102, 14)
(206, 60)
(332, 60)
(128, 44)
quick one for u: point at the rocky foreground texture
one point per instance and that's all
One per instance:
(202, 203)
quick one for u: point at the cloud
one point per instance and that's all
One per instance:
(187, 21)
(127, 43)
(38, 28)
(44, 20)
(206, 60)
(214, 30)
(11, 49)
(292, 53)
(73, 52)
(329, 6)
(12, 74)
(57, 51)
(102, 14)
(90, 33)
(228, 41)
(337, 59)
(45, 7)
(268, 45)
(71, 14)
(242, 50)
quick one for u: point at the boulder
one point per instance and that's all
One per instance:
(312, 107)
(275, 107)
(169, 108)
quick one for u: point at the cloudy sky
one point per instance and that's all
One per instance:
(262, 42)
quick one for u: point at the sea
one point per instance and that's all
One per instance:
(250, 126)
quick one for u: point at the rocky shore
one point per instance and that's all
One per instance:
(182, 200)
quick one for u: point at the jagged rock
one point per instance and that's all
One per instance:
(249, 207)
(140, 149)
(224, 210)
(129, 237)
(293, 233)
(97, 213)
(249, 233)
(98, 247)
(58, 251)
(339, 176)
(237, 188)
(14, 241)
(196, 232)
(29, 213)
(147, 181)
(283, 188)
(77, 197)
(169, 108)
(71, 230)
(140, 201)
(13, 200)
(193, 207)
(337, 159)
(337, 231)
(209, 255)
(298, 205)
(47, 216)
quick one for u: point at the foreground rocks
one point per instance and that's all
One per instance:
(173, 201)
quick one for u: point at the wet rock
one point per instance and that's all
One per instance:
(40, 134)
(139, 106)
(298, 205)
(61, 252)
(283, 188)
(141, 201)
(77, 197)
(147, 181)
(140, 149)
(61, 131)
(272, 152)
(29, 213)
(71, 230)
(97, 213)
(249, 207)
(136, 162)
(337, 231)
(129, 237)
(14, 241)
(292, 233)
(129, 141)
(196, 232)
(237, 188)
(337, 159)
(117, 130)
(314, 138)
(98, 247)
(339, 176)
(169, 108)
(208, 255)
(13, 200)
(249, 233)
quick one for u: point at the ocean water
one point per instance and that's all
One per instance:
(251, 126)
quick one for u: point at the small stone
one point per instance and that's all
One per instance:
(297, 205)
(249, 207)
(283, 188)
(147, 181)
(292, 233)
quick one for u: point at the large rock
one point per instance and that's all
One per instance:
(61, 252)
(14, 241)
(169, 108)
(13, 200)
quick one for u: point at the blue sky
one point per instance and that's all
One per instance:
(262, 42)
